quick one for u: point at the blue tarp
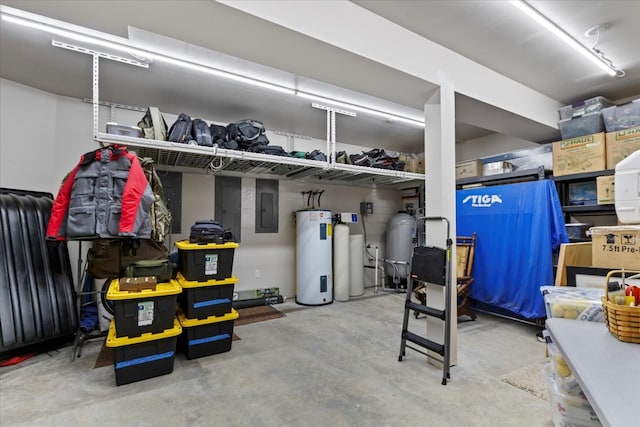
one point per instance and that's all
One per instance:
(518, 227)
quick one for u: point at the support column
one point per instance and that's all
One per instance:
(440, 200)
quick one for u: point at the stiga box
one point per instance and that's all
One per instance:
(578, 155)
(208, 336)
(202, 263)
(605, 190)
(468, 169)
(143, 357)
(200, 300)
(616, 247)
(621, 144)
(145, 311)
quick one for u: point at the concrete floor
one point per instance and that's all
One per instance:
(333, 365)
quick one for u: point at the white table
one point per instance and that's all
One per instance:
(607, 369)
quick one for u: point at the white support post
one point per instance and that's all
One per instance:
(96, 95)
(440, 200)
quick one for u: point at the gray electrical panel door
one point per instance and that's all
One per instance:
(228, 203)
(266, 206)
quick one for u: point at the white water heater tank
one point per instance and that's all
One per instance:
(341, 262)
(314, 284)
(627, 189)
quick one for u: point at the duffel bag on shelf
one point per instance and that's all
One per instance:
(153, 125)
(274, 150)
(247, 133)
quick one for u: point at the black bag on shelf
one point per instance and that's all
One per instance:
(218, 134)
(247, 133)
(209, 231)
(274, 150)
(317, 155)
(200, 133)
(181, 130)
(343, 157)
(360, 160)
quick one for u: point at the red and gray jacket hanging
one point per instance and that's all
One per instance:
(105, 196)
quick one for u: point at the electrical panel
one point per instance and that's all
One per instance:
(366, 208)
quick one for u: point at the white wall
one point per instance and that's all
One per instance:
(490, 145)
(43, 136)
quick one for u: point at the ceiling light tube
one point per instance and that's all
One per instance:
(371, 111)
(121, 47)
(563, 35)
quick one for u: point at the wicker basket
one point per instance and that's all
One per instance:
(623, 321)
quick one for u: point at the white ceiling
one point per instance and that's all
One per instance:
(489, 32)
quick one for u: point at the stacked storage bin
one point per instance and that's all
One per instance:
(569, 406)
(144, 330)
(583, 118)
(206, 314)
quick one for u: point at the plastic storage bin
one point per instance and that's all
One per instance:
(565, 380)
(581, 126)
(143, 357)
(567, 410)
(146, 311)
(574, 303)
(622, 117)
(200, 300)
(206, 337)
(202, 263)
(579, 109)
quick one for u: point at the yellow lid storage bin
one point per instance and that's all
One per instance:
(200, 300)
(146, 311)
(206, 337)
(147, 356)
(202, 263)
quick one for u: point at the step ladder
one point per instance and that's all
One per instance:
(432, 265)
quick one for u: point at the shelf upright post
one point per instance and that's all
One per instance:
(333, 137)
(96, 97)
(329, 126)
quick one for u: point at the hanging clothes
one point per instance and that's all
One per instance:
(106, 195)
(518, 227)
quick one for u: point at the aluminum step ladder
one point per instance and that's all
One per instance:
(432, 265)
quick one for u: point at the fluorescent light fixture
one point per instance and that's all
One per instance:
(564, 36)
(58, 28)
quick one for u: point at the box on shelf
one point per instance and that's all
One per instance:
(578, 155)
(568, 410)
(143, 357)
(621, 117)
(578, 230)
(582, 193)
(605, 190)
(621, 145)
(469, 169)
(496, 168)
(574, 303)
(616, 247)
(581, 126)
(145, 311)
(124, 130)
(202, 263)
(587, 106)
(206, 337)
(200, 300)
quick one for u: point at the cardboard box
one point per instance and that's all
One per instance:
(496, 168)
(468, 169)
(621, 144)
(616, 247)
(578, 155)
(605, 190)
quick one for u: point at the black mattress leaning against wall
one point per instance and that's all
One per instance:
(37, 303)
